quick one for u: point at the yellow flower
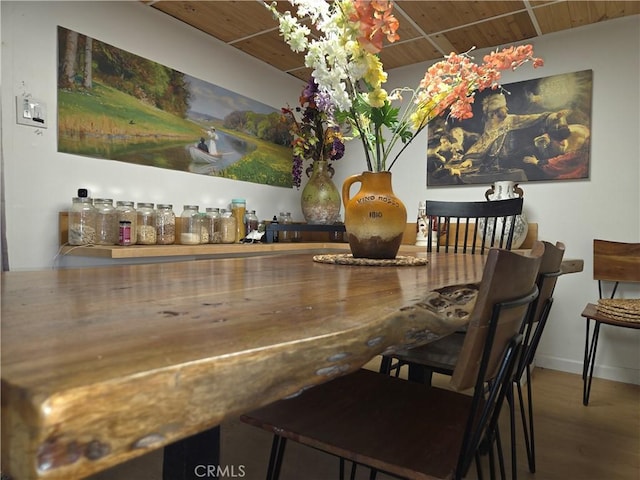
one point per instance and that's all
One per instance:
(375, 75)
(377, 97)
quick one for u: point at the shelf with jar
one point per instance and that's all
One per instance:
(312, 240)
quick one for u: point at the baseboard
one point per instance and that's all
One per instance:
(618, 374)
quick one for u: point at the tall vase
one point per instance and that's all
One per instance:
(374, 218)
(503, 190)
(320, 199)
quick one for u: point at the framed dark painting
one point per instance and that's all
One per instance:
(115, 105)
(535, 130)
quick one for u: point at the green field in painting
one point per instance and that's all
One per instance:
(102, 120)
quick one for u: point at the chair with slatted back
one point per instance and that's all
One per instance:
(457, 225)
(613, 263)
(441, 356)
(402, 428)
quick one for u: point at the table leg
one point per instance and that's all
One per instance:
(193, 458)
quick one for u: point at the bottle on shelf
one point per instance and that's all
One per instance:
(106, 222)
(165, 224)
(127, 213)
(227, 227)
(214, 225)
(238, 210)
(146, 224)
(82, 222)
(190, 225)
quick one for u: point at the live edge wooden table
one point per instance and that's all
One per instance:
(100, 365)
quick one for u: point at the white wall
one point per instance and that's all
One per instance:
(39, 181)
(605, 206)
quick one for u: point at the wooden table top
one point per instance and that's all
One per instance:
(100, 365)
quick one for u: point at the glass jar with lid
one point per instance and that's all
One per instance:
(214, 225)
(205, 223)
(190, 225)
(146, 224)
(238, 210)
(165, 224)
(82, 222)
(252, 222)
(227, 227)
(127, 213)
(285, 219)
(106, 222)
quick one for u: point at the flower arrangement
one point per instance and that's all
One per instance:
(343, 54)
(315, 135)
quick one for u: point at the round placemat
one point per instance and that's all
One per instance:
(347, 259)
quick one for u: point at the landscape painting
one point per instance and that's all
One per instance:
(115, 105)
(535, 130)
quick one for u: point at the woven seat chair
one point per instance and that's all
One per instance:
(613, 263)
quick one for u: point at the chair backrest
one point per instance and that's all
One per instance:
(472, 226)
(493, 342)
(507, 276)
(615, 262)
(550, 270)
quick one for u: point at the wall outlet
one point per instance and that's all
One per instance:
(32, 112)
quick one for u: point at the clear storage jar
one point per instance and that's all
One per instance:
(165, 224)
(146, 224)
(214, 225)
(238, 210)
(127, 213)
(106, 222)
(252, 222)
(204, 227)
(285, 219)
(82, 222)
(190, 228)
(227, 227)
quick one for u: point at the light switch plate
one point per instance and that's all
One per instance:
(32, 112)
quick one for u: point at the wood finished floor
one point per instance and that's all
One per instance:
(598, 442)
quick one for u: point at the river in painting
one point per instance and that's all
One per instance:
(159, 151)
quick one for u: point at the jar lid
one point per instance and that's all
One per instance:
(165, 205)
(124, 203)
(191, 207)
(145, 204)
(213, 209)
(238, 200)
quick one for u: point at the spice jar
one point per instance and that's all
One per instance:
(190, 229)
(165, 224)
(146, 224)
(285, 219)
(227, 227)
(214, 225)
(252, 222)
(205, 222)
(106, 222)
(127, 213)
(238, 210)
(82, 222)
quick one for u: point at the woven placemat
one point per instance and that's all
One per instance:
(347, 259)
(624, 309)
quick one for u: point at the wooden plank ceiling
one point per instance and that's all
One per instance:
(428, 30)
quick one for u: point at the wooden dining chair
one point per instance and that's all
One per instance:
(613, 263)
(402, 428)
(442, 355)
(470, 227)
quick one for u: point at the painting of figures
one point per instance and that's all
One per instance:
(115, 105)
(536, 130)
